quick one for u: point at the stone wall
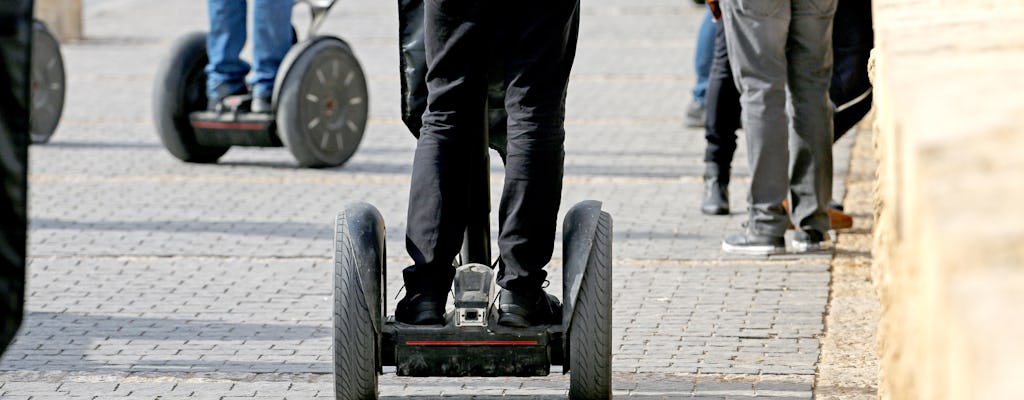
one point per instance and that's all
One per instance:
(949, 238)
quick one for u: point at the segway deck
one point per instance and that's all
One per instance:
(450, 350)
(234, 129)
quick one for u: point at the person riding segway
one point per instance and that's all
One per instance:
(476, 55)
(309, 96)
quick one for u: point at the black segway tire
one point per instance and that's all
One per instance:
(358, 301)
(321, 102)
(48, 84)
(590, 336)
(180, 89)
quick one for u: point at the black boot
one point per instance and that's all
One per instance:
(521, 310)
(716, 190)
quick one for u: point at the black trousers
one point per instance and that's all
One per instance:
(15, 53)
(852, 39)
(534, 42)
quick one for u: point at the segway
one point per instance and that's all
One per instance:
(48, 83)
(319, 103)
(470, 343)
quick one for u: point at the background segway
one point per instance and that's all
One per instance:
(321, 102)
(587, 317)
(181, 89)
(359, 304)
(48, 84)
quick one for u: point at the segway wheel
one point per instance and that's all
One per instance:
(359, 304)
(48, 83)
(180, 89)
(322, 103)
(590, 330)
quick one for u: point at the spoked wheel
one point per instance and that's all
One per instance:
(588, 294)
(180, 90)
(48, 83)
(322, 103)
(359, 303)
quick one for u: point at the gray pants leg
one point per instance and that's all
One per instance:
(781, 56)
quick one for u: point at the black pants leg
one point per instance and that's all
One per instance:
(537, 49)
(723, 107)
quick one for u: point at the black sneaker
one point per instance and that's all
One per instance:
(716, 190)
(521, 310)
(421, 308)
(811, 240)
(752, 244)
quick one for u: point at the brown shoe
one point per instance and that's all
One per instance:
(839, 219)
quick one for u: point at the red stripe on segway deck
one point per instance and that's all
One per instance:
(249, 126)
(471, 343)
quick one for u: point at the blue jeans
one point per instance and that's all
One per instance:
(703, 55)
(272, 37)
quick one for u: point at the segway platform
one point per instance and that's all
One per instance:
(234, 127)
(450, 350)
(471, 342)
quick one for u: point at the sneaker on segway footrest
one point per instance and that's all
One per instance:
(421, 308)
(220, 102)
(260, 105)
(521, 310)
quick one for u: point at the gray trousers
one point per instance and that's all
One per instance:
(781, 56)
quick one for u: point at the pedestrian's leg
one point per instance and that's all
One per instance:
(455, 45)
(756, 32)
(225, 73)
(271, 39)
(538, 59)
(702, 56)
(723, 106)
(810, 142)
(723, 119)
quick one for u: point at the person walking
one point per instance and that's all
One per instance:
(850, 93)
(781, 57)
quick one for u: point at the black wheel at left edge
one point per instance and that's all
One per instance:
(48, 84)
(359, 305)
(322, 103)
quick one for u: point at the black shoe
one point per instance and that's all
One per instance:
(752, 244)
(216, 103)
(260, 105)
(810, 241)
(716, 191)
(521, 310)
(716, 198)
(421, 308)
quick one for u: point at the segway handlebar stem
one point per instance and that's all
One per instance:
(319, 10)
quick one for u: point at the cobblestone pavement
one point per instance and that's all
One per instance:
(151, 278)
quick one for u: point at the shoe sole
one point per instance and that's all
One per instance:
(809, 247)
(765, 250)
(513, 321)
(717, 211)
